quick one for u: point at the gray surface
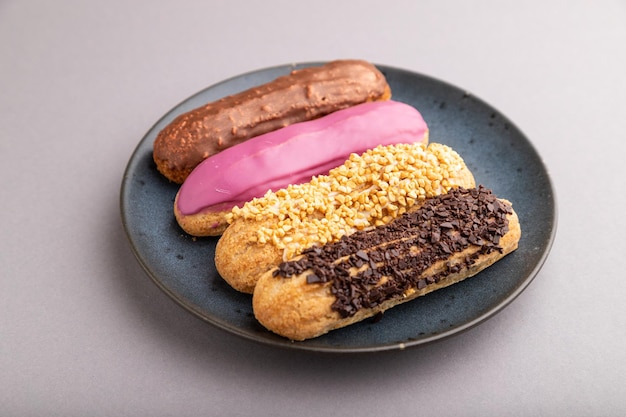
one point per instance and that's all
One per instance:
(83, 330)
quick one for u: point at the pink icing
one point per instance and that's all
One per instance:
(296, 153)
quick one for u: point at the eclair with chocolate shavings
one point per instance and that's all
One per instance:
(451, 237)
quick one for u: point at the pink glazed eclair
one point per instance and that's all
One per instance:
(291, 155)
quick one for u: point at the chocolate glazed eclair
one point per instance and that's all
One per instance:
(450, 238)
(304, 94)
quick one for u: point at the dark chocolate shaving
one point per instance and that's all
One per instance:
(392, 259)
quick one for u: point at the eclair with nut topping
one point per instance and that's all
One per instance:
(367, 190)
(304, 94)
(451, 237)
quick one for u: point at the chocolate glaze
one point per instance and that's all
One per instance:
(304, 94)
(402, 251)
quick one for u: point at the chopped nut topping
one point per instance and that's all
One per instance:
(368, 190)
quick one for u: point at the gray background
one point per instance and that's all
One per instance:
(84, 332)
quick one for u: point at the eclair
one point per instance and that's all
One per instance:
(367, 190)
(291, 155)
(304, 94)
(449, 238)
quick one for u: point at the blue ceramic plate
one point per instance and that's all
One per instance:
(496, 151)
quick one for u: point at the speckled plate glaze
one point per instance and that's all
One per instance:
(496, 151)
